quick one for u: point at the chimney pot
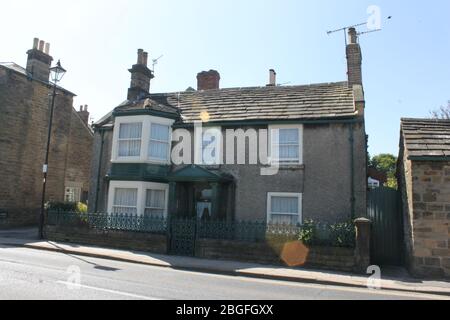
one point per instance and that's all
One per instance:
(208, 80)
(41, 45)
(145, 58)
(86, 107)
(81, 108)
(140, 58)
(272, 78)
(35, 43)
(352, 36)
(47, 48)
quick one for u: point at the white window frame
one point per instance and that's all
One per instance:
(274, 160)
(131, 139)
(199, 146)
(169, 144)
(166, 197)
(299, 196)
(127, 207)
(146, 120)
(141, 195)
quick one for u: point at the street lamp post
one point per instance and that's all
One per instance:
(57, 73)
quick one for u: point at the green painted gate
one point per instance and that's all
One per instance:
(182, 236)
(385, 212)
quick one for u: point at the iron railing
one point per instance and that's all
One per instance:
(311, 233)
(114, 221)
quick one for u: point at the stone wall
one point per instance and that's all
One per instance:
(278, 252)
(111, 238)
(428, 204)
(275, 250)
(24, 109)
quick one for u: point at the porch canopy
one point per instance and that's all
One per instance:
(193, 173)
(193, 176)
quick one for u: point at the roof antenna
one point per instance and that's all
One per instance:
(155, 62)
(344, 29)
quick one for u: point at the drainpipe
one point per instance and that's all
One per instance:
(99, 171)
(352, 170)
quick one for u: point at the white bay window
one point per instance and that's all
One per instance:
(284, 208)
(142, 139)
(138, 198)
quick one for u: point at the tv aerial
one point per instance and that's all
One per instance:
(155, 62)
(344, 29)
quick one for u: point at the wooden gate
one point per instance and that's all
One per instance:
(385, 212)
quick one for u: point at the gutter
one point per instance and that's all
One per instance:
(102, 133)
(352, 171)
(267, 122)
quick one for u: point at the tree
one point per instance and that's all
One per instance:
(386, 163)
(442, 112)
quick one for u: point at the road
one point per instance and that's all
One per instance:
(32, 274)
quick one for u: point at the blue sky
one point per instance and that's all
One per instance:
(406, 66)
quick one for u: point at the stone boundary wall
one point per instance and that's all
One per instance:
(111, 238)
(275, 250)
(291, 253)
(430, 219)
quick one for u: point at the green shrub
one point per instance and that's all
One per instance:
(67, 206)
(322, 234)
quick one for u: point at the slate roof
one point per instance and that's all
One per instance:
(317, 101)
(427, 138)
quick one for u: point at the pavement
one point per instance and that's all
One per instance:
(29, 274)
(394, 279)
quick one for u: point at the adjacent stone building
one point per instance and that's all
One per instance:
(24, 118)
(424, 181)
(321, 150)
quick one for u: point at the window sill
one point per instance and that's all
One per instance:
(292, 167)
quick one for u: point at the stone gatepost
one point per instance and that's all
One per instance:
(362, 250)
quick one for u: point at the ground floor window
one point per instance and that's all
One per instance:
(136, 197)
(155, 203)
(125, 201)
(72, 194)
(284, 208)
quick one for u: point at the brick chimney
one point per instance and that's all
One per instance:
(272, 78)
(208, 80)
(354, 59)
(140, 77)
(39, 60)
(84, 114)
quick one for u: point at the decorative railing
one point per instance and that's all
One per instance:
(311, 233)
(101, 221)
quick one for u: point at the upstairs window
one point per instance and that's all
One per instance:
(286, 146)
(159, 146)
(130, 135)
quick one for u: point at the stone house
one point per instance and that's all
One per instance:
(24, 118)
(314, 134)
(424, 181)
